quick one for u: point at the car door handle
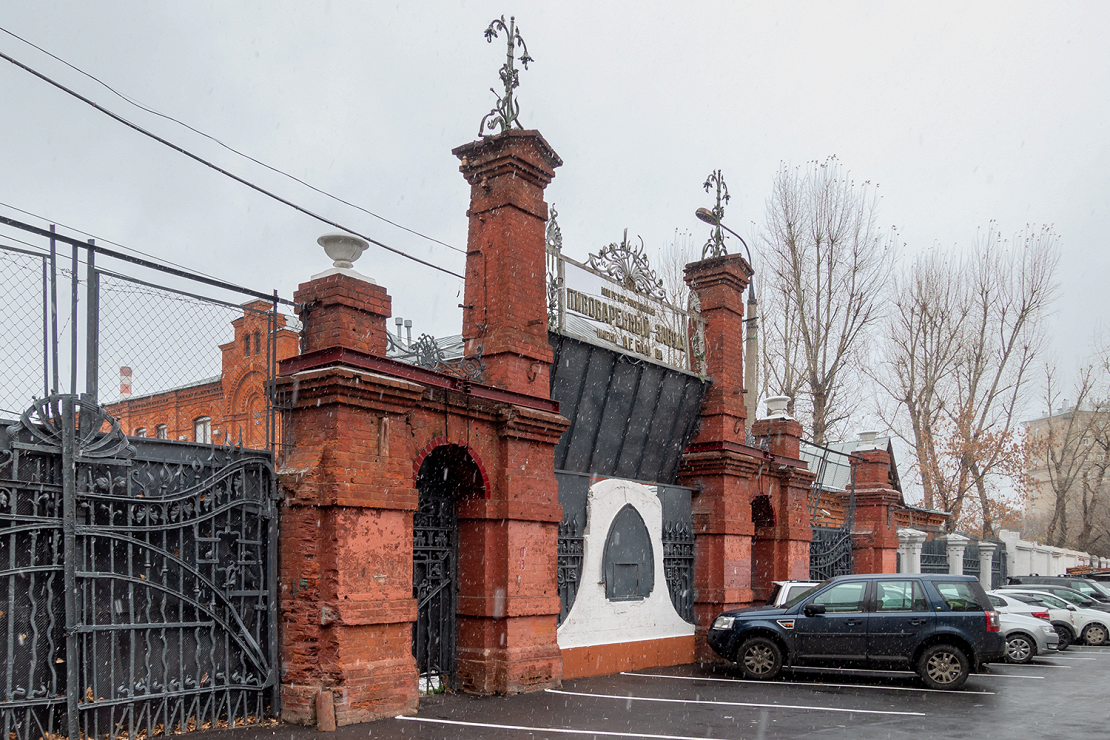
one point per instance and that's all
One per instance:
(916, 622)
(854, 622)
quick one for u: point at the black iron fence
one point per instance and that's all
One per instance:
(137, 551)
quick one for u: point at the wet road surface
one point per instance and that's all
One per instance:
(1061, 696)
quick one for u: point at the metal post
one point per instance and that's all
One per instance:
(69, 544)
(271, 364)
(45, 328)
(54, 310)
(73, 325)
(92, 326)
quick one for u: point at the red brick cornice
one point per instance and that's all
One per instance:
(537, 426)
(352, 358)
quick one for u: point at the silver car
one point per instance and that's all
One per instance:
(1026, 637)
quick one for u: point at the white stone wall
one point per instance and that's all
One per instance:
(593, 619)
(1024, 558)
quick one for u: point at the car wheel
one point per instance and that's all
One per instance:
(943, 667)
(1020, 648)
(1095, 634)
(1067, 637)
(759, 658)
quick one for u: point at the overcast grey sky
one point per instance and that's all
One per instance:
(962, 112)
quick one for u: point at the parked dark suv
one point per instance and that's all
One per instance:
(941, 626)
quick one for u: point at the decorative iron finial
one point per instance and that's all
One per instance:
(553, 234)
(715, 247)
(629, 266)
(506, 111)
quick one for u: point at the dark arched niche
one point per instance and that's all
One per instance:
(629, 559)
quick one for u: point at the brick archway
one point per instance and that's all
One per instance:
(438, 442)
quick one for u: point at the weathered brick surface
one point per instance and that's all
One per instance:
(875, 529)
(342, 311)
(505, 306)
(358, 441)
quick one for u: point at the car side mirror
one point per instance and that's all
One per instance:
(812, 610)
(1071, 608)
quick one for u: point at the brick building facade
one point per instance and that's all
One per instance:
(229, 408)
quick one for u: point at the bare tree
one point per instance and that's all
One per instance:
(922, 341)
(1074, 442)
(825, 264)
(958, 353)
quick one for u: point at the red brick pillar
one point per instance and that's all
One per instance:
(717, 463)
(508, 598)
(505, 306)
(346, 526)
(874, 531)
(783, 536)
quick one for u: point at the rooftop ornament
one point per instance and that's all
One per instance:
(507, 110)
(715, 247)
(628, 265)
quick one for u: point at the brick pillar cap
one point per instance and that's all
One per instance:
(355, 274)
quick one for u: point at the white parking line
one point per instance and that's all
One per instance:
(1006, 675)
(803, 683)
(1038, 665)
(735, 704)
(1064, 657)
(559, 730)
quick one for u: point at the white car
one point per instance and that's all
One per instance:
(1029, 605)
(784, 591)
(1026, 637)
(1090, 625)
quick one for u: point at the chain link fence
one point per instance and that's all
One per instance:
(173, 355)
(23, 366)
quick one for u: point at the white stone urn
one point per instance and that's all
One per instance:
(343, 249)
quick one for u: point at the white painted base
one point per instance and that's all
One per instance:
(593, 619)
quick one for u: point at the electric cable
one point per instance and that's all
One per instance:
(232, 149)
(222, 171)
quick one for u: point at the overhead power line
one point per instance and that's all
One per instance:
(222, 171)
(232, 149)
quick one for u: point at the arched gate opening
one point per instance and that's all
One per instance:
(447, 474)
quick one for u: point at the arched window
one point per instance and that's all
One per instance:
(139, 432)
(202, 430)
(246, 345)
(257, 343)
(160, 431)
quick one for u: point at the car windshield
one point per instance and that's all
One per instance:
(803, 594)
(1094, 589)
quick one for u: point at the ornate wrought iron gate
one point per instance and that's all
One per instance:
(435, 555)
(830, 550)
(136, 580)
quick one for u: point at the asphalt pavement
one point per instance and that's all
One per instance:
(1061, 696)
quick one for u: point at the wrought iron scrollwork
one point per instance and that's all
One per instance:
(425, 352)
(553, 234)
(628, 265)
(98, 433)
(715, 247)
(830, 552)
(678, 566)
(571, 552)
(170, 551)
(505, 114)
